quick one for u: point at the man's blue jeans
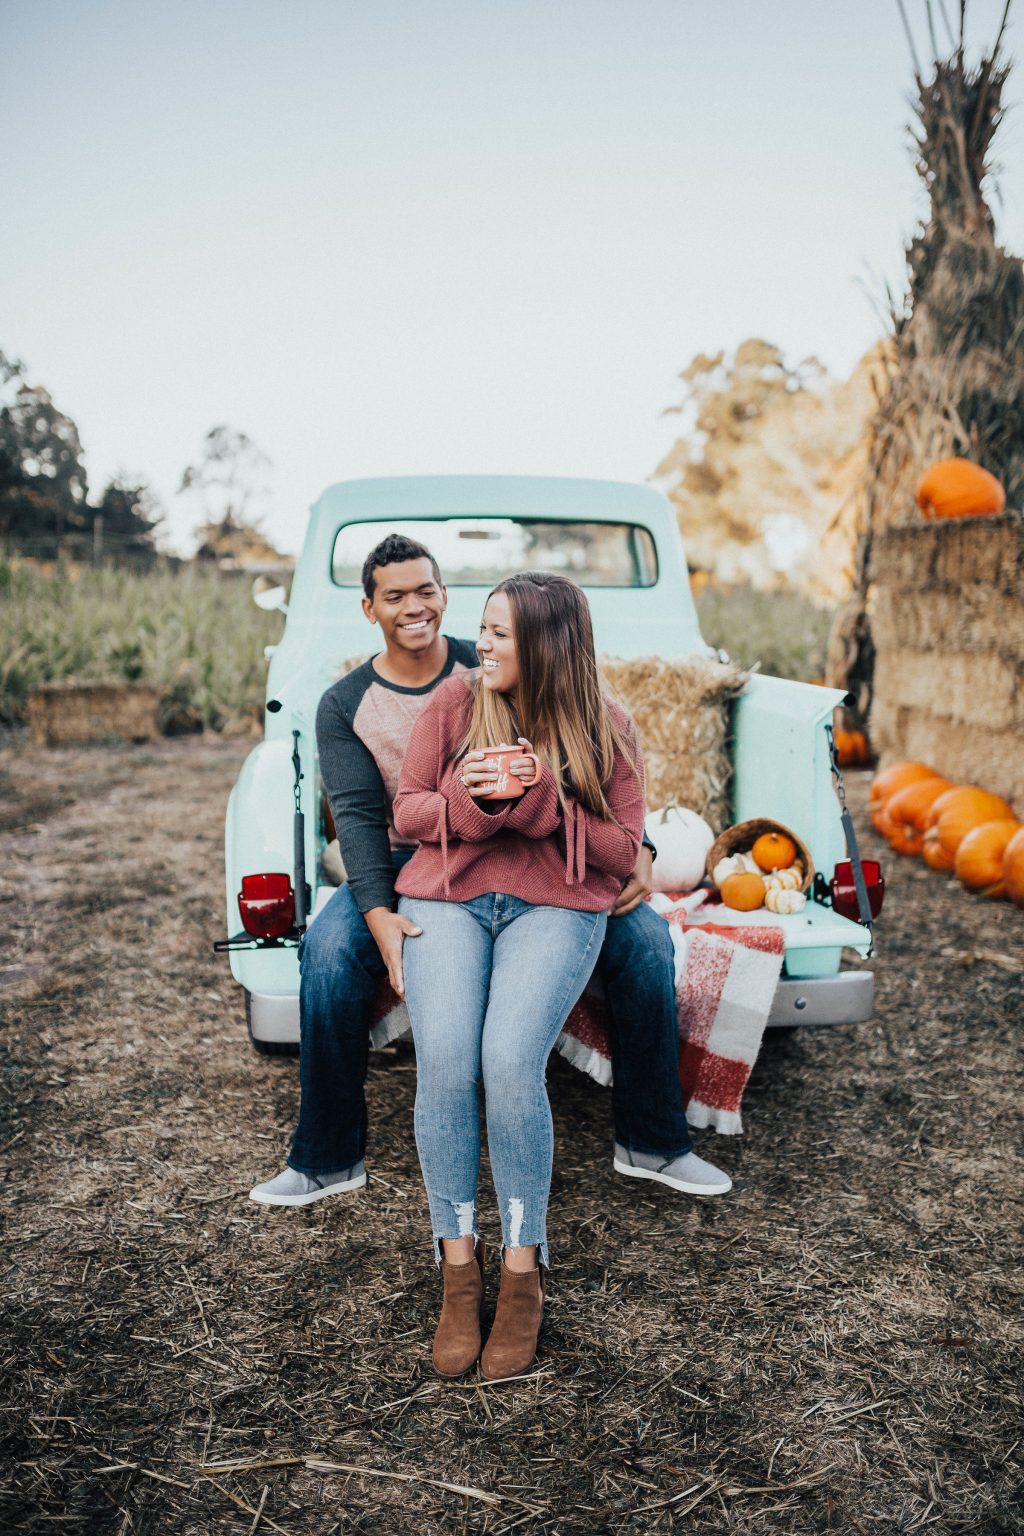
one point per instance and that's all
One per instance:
(341, 970)
(489, 983)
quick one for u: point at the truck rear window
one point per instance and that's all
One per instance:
(481, 551)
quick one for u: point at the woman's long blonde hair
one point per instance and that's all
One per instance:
(558, 703)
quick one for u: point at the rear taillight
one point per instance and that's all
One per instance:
(844, 888)
(267, 905)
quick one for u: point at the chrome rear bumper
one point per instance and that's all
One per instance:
(848, 997)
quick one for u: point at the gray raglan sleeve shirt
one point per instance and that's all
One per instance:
(358, 801)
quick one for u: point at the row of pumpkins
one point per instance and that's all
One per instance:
(953, 827)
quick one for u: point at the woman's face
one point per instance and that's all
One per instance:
(497, 647)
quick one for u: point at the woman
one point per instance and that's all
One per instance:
(512, 897)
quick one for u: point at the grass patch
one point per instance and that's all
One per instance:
(784, 632)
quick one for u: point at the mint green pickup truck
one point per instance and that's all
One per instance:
(621, 543)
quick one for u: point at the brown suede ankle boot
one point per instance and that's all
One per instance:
(512, 1344)
(457, 1340)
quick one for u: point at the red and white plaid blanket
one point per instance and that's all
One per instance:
(726, 976)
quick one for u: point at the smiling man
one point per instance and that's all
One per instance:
(363, 725)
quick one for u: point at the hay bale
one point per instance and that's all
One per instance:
(73, 713)
(960, 752)
(682, 713)
(975, 688)
(973, 619)
(951, 555)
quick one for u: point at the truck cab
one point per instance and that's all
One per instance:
(621, 543)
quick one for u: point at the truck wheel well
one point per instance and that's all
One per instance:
(266, 1047)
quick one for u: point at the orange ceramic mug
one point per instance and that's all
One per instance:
(507, 786)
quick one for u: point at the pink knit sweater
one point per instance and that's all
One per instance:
(527, 847)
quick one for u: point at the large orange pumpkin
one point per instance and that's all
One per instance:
(897, 776)
(912, 804)
(958, 488)
(1013, 868)
(959, 810)
(979, 858)
(904, 812)
(934, 855)
(905, 838)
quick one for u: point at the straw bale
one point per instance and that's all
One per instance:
(682, 713)
(903, 559)
(972, 619)
(960, 752)
(67, 713)
(974, 687)
(988, 550)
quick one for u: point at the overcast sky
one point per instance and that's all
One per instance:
(401, 236)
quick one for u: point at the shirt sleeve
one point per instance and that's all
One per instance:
(359, 806)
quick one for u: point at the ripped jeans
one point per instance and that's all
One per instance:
(489, 984)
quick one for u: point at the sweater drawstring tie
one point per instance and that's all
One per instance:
(442, 828)
(575, 844)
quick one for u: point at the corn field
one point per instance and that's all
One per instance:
(197, 635)
(194, 634)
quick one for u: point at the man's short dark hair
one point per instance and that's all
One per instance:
(390, 551)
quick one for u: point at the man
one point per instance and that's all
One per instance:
(363, 725)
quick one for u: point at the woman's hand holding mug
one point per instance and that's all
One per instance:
(494, 774)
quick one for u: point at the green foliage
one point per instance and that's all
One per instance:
(43, 482)
(782, 631)
(196, 635)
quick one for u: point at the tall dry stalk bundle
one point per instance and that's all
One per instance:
(953, 375)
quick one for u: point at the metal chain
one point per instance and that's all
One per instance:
(863, 904)
(837, 772)
(299, 775)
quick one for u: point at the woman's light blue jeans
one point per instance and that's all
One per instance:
(489, 984)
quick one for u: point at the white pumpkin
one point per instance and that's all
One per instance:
(790, 879)
(734, 864)
(682, 839)
(784, 902)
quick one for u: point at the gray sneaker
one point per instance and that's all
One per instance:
(689, 1173)
(294, 1188)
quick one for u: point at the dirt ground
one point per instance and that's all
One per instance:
(834, 1347)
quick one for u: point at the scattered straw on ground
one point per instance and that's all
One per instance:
(835, 1347)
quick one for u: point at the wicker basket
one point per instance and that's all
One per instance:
(742, 837)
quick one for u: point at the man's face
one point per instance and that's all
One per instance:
(407, 603)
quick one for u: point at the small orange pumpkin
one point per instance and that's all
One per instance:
(958, 488)
(1013, 868)
(744, 893)
(979, 858)
(773, 850)
(852, 748)
(963, 808)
